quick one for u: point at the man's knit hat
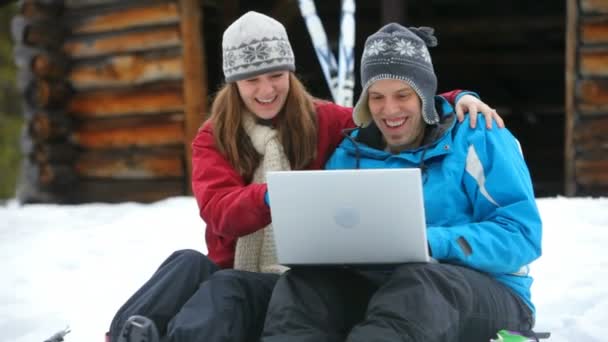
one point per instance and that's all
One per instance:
(395, 52)
(255, 44)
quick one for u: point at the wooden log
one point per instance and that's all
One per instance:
(49, 176)
(592, 93)
(141, 16)
(117, 43)
(100, 104)
(114, 191)
(592, 172)
(594, 6)
(49, 125)
(144, 134)
(195, 80)
(572, 30)
(44, 33)
(130, 166)
(594, 31)
(125, 70)
(40, 8)
(594, 62)
(42, 93)
(41, 63)
(50, 153)
(592, 127)
(75, 4)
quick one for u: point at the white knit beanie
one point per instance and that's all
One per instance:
(255, 44)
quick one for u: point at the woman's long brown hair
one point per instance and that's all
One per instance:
(296, 125)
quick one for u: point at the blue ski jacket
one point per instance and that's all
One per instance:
(478, 196)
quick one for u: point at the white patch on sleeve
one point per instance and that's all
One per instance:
(475, 169)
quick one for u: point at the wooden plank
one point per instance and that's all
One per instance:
(154, 38)
(114, 191)
(41, 33)
(132, 166)
(595, 31)
(141, 16)
(145, 135)
(594, 62)
(571, 74)
(593, 92)
(591, 129)
(592, 172)
(43, 93)
(128, 70)
(594, 6)
(99, 104)
(39, 9)
(195, 80)
(54, 153)
(47, 176)
(45, 125)
(41, 63)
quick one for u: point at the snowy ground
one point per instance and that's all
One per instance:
(75, 265)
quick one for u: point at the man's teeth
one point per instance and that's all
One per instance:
(394, 123)
(266, 100)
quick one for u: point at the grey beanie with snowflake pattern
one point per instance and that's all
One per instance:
(253, 45)
(396, 52)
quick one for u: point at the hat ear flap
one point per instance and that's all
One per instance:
(426, 34)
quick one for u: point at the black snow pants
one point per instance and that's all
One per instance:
(191, 300)
(414, 302)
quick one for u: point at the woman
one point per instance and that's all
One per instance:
(263, 119)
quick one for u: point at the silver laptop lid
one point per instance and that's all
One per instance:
(372, 216)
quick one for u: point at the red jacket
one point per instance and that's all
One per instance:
(230, 207)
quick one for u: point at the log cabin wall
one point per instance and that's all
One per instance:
(587, 98)
(105, 100)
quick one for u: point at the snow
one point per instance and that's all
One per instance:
(75, 265)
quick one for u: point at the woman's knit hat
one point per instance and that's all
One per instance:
(395, 52)
(255, 44)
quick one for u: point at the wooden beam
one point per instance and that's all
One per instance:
(593, 92)
(594, 62)
(126, 70)
(595, 31)
(594, 6)
(155, 14)
(46, 94)
(571, 57)
(132, 166)
(39, 9)
(99, 104)
(46, 125)
(45, 33)
(143, 135)
(195, 80)
(113, 191)
(95, 46)
(592, 172)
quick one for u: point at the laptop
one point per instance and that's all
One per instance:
(348, 217)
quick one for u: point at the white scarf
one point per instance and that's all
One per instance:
(256, 252)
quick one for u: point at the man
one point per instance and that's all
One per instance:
(483, 224)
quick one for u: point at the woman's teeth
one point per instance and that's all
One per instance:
(266, 101)
(394, 123)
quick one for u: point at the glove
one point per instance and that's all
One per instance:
(267, 199)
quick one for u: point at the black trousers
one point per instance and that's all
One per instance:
(191, 300)
(415, 302)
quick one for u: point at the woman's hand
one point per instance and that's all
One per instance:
(473, 105)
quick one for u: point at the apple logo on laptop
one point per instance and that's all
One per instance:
(346, 217)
